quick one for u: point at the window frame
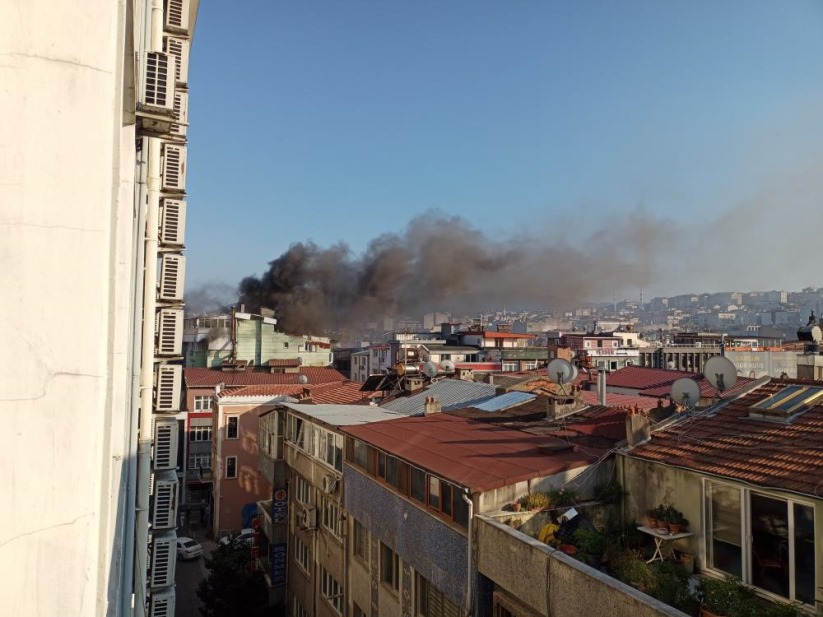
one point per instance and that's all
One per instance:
(199, 399)
(236, 470)
(360, 541)
(301, 554)
(194, 459)
(196, 433)
(236, 419)
(331, 590)
(302, 489)
(332, 521)
(390, 571)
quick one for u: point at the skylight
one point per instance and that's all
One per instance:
(789, 401)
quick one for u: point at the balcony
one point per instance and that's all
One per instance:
(205, 475)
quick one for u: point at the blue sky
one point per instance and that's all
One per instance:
(339, 121)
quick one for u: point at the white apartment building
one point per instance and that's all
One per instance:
(92, 185)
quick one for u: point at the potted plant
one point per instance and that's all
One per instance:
(782, 610)
(671, 585)
(726, 597)
(591, 543)
(632, 569)
(537, 501)
(564, 497)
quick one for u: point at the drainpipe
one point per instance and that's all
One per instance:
(469, 589)
(155, 43)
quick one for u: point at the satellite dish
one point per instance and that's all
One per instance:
(430, 370)
(720, 372)
(670, 365)
(303, 379)
(575, 373)
(561, 371)
(447, 366)
(685, 391)
(299, 361)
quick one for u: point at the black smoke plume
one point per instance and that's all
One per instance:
(444, 262)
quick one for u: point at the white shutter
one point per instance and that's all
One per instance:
(177, 15)
(162, 603)
(172, 277)
(163, 559)
(167, 391)
(174, 168)
(181, 113)
(173, 222)
(164, 500)
(166, 440)
(170, 332)
(157, 81)
(179, 48)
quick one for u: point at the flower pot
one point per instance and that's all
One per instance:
(663, 526)
(688, 562)
(653, 522)
(569, 549)
(674, 527)
(516, 506)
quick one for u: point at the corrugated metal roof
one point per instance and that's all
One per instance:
(504, 401)
(452, 394)
(344, 415)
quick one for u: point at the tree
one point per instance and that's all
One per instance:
(231, 588)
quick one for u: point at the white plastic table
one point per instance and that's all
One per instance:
(660, 538)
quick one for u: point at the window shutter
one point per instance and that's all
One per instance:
(163, 559)
(172, 277)
(179, 48)
(167, 391)
(177, 16)
(170, 332)
(165, 443)
(173, 223)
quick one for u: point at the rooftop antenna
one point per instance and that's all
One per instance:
(302, 379)
(685, 392)
(430, 369)
(561, 372)
(720, 372)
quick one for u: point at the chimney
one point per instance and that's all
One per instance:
(601, 386)
(638, 429)
(432, 406)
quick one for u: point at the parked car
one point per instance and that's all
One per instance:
(188, 548)
(246, 536)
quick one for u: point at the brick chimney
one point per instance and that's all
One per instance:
(638, 429)
(432, 406)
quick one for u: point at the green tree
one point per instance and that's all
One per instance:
(231, 588)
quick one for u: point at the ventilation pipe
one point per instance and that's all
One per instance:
(469, 586)
(601, 386)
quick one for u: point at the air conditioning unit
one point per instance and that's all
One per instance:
(172, 277)
(306, 517)
(157, 77)
(181, 113)
(176, 13)
(162, 603)
(330, 484)
(163, 559)
(167, 388)
(164, 500)
(166, 440)
(169, 332)
(174, 168)
(179, 49)
(173, 222)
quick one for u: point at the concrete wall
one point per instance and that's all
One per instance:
(258, 343)
(763, 363)
(551, 583)
(428, 544)
(66, 258)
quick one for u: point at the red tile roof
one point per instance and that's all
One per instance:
(727, 444)
(643, 378)
(620, 400)
(206, 377)
(489, 334)
(706, 389)
(272, 390)
(347, 393)
(289, 363)
(476, 455)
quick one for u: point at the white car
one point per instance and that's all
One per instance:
(246, 537)
(188, 548)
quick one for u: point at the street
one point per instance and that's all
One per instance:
(189, 574)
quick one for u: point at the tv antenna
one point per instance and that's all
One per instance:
(685, 392)
(720, 372)
(561, 372)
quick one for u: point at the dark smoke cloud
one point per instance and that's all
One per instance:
(443, 261)
(210, 298)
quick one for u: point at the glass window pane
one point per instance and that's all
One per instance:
(434, 493)
(461, 509)
(804, 553)
(381, 463)
(724, 537)
(770, 543)
(446, 490)
(418, 490)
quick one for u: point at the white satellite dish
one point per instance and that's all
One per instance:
(430, 370)
(303, 379)
(575, 373)
(720, 372)
(561, 371)
(447, 366)
(685, 391)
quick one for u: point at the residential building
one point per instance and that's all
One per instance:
(608, 351)
(747, 474)
(92, 182)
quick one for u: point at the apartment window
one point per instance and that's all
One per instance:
(765, 540)
(431, 602)
(200, 433)
(297, 609)
(331, 517)
(361, 454)
(331, 590)
(231, 467)
(301, 554)
(510, 367)
(203, 403)
(232, 427)
(418, 484)
(200, 460)
(285, 345)
(434, 493)
(302, 490)
(360, 541)
(389, 567)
